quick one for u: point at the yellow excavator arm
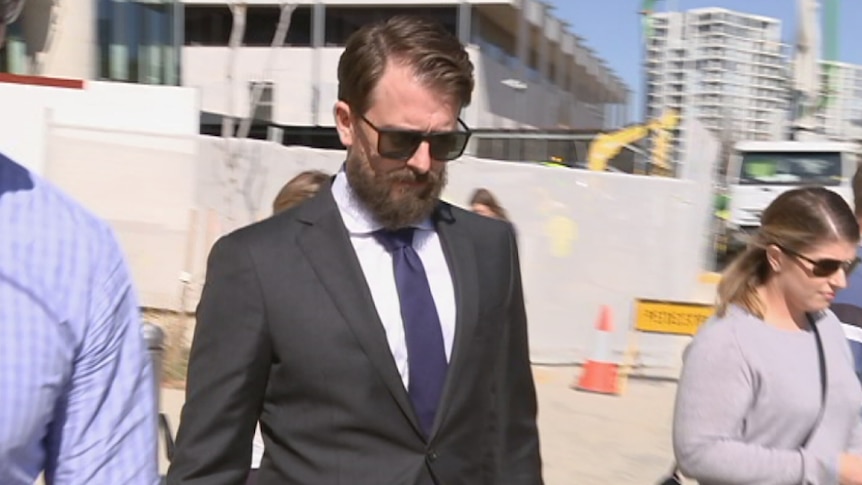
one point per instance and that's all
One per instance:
(607, 145)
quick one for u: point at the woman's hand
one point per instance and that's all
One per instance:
(849, 469)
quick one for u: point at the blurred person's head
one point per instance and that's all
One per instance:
(483, 202)
(298, 189)
(801, 255)
(10, 10)
(402, 83)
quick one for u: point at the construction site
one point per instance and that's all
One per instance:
(622, 231)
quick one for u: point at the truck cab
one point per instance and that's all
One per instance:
(759, 171)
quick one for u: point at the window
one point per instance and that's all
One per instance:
(262, 21)
(138, 41)
(784, 168)
(264, 109)
(343, 21)
(13, 56)
(533, 60)
(207, 25)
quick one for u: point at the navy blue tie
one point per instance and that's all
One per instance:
(426, 356)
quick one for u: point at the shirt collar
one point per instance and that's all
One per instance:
(357, 218)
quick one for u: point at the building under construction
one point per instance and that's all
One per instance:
(531, 72)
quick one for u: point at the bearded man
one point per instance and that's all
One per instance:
(377, 333)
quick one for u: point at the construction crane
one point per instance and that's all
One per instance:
(809, 95)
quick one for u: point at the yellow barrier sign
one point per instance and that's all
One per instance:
(670, 317)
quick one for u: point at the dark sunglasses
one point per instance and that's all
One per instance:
(825, 267)
(399, 144)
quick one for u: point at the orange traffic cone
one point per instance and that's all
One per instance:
(600, 374)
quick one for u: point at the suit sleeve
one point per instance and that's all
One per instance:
(227, 376)
(515, 393)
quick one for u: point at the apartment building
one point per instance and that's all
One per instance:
(531, 71)
(729, 69)
(841, 117)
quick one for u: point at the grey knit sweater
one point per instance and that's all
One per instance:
(749, 395)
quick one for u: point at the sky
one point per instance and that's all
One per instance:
(612, 28)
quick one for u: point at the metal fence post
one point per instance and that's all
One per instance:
(155, 338)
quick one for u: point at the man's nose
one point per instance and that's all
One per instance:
(420, 162)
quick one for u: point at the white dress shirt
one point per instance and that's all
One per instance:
(377, 266)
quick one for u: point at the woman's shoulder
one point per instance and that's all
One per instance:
(726, 325)
(720, 333)
(829, 326)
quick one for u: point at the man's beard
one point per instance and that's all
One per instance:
(394, 210)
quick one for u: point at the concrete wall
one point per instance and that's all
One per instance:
(128, 153)
(587, 239)
(206, 69)
(143, 185)
(99, 106)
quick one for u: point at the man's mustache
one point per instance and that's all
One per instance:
(408, 176)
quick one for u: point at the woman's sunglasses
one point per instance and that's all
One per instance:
(399, 144)
(825, 267)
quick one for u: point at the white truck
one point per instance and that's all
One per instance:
(758, 171)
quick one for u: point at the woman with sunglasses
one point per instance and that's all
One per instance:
(768, 394)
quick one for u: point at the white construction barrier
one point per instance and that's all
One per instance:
(586, 238)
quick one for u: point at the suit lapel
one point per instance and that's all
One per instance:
(461, 257)
(326, 244)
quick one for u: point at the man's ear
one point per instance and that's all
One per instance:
(344, 123)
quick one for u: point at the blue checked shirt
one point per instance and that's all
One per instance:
(76, 389)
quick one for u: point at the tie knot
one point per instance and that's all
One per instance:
(395, 240)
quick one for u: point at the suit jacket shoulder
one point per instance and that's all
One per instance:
(273, 232)
(480, 228)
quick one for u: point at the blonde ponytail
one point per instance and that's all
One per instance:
(740, 282)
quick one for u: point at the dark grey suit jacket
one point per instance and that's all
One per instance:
(287, 332)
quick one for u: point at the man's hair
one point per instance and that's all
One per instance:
(436, 56)
(857, 190)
